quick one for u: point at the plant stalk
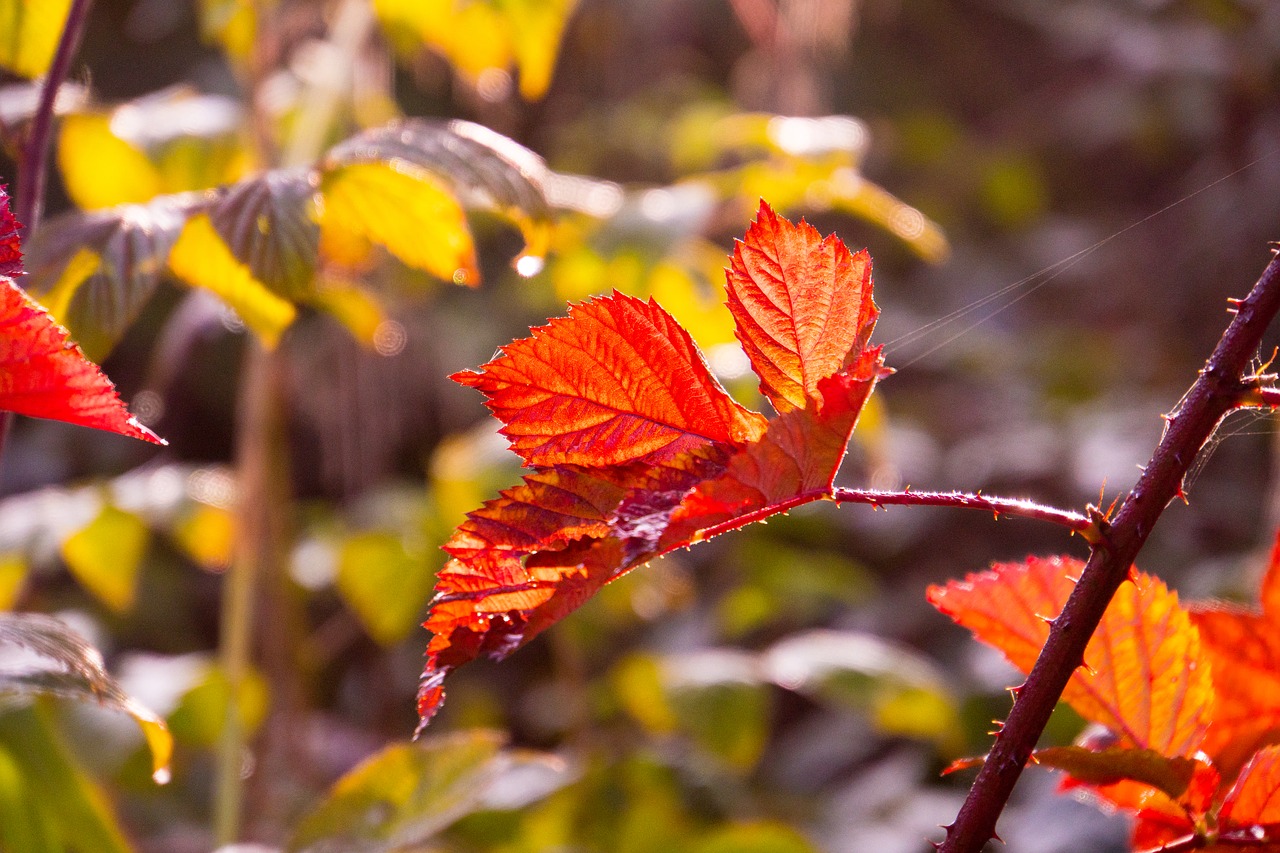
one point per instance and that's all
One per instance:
(1219, 389)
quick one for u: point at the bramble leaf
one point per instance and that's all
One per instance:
(796, 331)
(1255, 797)
(636, 451)
(1145, 676)
(616, 381)
(42, 373)
(1244, 647)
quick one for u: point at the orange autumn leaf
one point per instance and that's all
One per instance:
(42, 373)
(1145, 676)
(796, 331)
(1244, 647)
(637, 450)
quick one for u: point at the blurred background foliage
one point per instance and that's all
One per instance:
(782, 689)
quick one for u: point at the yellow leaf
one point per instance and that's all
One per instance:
(351, 306)
(29, 33)
(13, 573)
(536, 28)
(386, 586)
(99, 168)
(232, 24)
(405, 209)
(201, 259)
(105, 556)
(208, 536)
(83, 264)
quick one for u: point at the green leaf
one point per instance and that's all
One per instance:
(408, 792)
(1114, 764)
(70, 807)
(386, 586)
(201, 712)
(105, 556)
(900, 689)
(72, 668)
(95, 271)
(720, 703)
(755, 837)
(269, 224)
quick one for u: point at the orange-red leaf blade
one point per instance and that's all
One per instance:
(1145, 677)
(1255, 796)
(42, 373)
(802, 305)
(616, 381)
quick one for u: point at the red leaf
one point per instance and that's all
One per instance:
(42, 373)
(618, 380)
(1255, 797)
(796, 329)
(1145, 677)
(637, 450)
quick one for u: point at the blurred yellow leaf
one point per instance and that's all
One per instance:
(478, 36)
(13, 573)
(207, 534)
(637, 684)
(386, 586)
(99, 168)
(29, 33)
(105, 556)
(202, 710)
(231, 23)
(202, 259)
(352, 306)
(405, 209)
(57, 300)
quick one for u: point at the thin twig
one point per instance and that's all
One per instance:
(1073, 521)
(1218, 390)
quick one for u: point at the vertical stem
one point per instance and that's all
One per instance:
(263, 477)
(35, 153)
(1218, 390)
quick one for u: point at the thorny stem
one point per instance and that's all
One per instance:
(1073, 521)
(34, 166)
(1218, 389)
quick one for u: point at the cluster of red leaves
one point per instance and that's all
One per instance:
(42, 373)
(1185, 698)
(637, 450)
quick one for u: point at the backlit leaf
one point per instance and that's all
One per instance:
(200, 258)
(407, 210)
(1145, 676)
(1255, 796)
(796, 331)
(1108, 766)
(42, 373)
(96, 270)
(1244, 647)
(105, 556)
(70, 667)
(482, 169)
(616, 381)
(637, 450)
(29, 33)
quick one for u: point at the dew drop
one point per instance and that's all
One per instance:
(529, 265)
(162, 776)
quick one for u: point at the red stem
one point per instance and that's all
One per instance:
(35, 153)
(997, 506)
(1217, 391)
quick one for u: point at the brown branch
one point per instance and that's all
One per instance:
(1073, 521)
(1218, 390)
